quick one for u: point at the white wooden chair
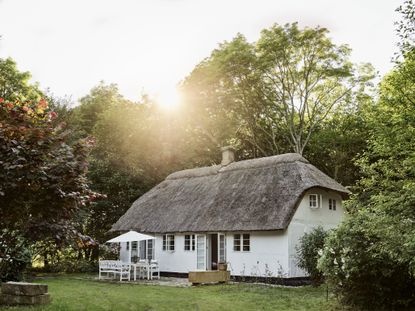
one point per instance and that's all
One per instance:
(154, 269)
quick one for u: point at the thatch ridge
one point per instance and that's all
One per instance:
(258, 194)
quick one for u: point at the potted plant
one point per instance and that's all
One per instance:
(223, 266)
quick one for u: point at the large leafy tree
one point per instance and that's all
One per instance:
(137, 145)
(269, 97)
(370, 259)
(43, 179)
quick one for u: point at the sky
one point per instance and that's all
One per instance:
(149, 46)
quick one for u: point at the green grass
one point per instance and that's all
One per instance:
(75, 293)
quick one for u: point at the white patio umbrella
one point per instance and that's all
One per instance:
(130, 236)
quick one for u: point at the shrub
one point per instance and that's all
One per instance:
(363, 269)
(311, 244)
(14, 255)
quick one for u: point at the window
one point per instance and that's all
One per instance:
(134, 246)
(189, 242)
(241, 242)
(168, 242)
(236, 242)
(222, 248)
(150, 250)
(332, 204)
(143, 249)
(128, 246)
(315, 200)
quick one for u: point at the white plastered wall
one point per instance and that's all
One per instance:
(267, 257)
(178, 260)
(306, 218)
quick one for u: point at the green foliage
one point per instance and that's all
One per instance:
(15, 255)
(14, 85)
(69, 265)
(269, 97)
(362, 267)
(370, 259)
(405, 28)
(309, 249)
(136, 147)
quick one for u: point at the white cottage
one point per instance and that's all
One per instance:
(249, 214)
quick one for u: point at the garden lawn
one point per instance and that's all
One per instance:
(76, 293)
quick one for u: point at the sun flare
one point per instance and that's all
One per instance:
(168, 98)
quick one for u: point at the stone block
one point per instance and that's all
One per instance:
(11, 300)
(23, 289)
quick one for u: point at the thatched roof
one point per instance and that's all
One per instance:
(254, 195)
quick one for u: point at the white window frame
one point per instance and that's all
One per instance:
(315, 200)
(191, 238)
(222, 247)
(332, 204)
(150, 249)
(242, 237)
(201, 259)
(168, 242)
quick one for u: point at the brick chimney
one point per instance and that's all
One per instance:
(228, 155)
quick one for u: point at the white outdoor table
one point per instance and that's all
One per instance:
(139, 265)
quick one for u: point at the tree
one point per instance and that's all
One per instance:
(370, 259)
(341, 138)
(306, 76)
(14, 85)
(136, 147)
(269, 97)
(43, 179)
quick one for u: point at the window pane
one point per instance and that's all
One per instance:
(187, 242)
(143, 253)
(170, 242)
(222, 256)
(246, 243)
(150, 250)
(237, 242)
(313, 200)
